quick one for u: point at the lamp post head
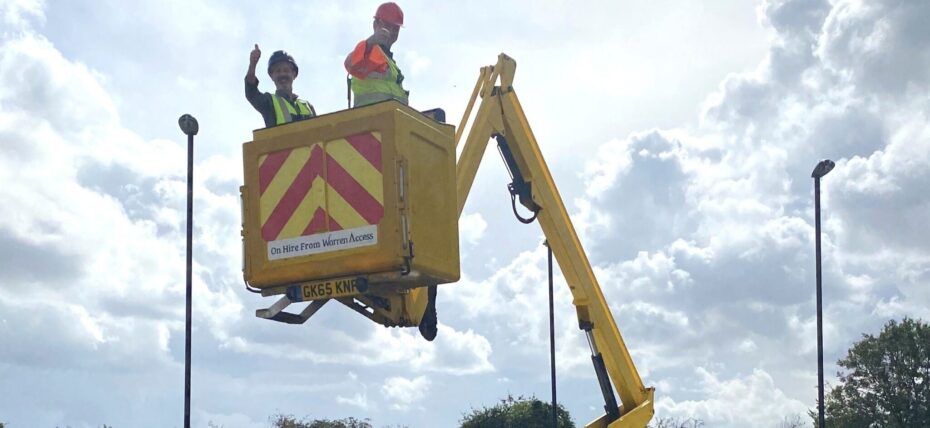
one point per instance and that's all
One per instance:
(822, 168)
(188, 124)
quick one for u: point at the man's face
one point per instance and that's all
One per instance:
(283, 75)
(387, 32)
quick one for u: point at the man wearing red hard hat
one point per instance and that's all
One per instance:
(375, 75)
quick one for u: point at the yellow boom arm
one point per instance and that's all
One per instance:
(500, 116)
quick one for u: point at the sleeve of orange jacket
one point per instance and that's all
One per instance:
(363, 61)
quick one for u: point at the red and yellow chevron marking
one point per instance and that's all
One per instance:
(325, 187)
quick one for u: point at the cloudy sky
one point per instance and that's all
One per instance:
(682, 136)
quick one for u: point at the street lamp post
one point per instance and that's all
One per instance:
(822, 168)
(189, 126)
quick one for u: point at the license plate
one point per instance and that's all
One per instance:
(318, 290)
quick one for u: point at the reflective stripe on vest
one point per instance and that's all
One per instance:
(372, 89)
(284, 111)
(374, 97)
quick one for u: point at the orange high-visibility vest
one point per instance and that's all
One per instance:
(376, 76)
(362, 63)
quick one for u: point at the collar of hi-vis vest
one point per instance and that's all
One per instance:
(292, 97)
(285, 111)
(387, 51)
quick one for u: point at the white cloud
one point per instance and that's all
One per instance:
(614, 158)
(862, 41)
(97, 236)
(472, 227)
(405, 392)
(700, 230)
(751, 400)
(359, 400)
(17, 14)
(511, 297)
(726, 264)
(416, 62)
(458, 353)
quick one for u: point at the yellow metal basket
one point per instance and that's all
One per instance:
(366, 193)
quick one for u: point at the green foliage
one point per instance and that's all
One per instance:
(887, 380)
(517, 412)
(289, 421)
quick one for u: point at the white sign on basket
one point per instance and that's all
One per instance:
(323, 242)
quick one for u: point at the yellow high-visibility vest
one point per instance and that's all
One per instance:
(374, 88)
(285, 112)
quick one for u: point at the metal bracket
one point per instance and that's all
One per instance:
(276, 312)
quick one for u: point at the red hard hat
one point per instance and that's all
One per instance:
(390, 12)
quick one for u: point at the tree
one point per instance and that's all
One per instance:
(887, 380)
(517, 412)
(676, 423)
(289, 421)
(794, 421)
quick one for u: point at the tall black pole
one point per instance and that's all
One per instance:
(555, 417)
(188, 126)
(822, 168)
(819, 305)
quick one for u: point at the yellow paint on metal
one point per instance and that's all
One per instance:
(405, 137)
(358, 167)
(282, 180)
(315, 198)
(342, 212)
(501, 113)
